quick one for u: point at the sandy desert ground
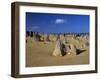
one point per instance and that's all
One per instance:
(40, 53)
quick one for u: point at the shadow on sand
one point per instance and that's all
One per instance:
(78, 51)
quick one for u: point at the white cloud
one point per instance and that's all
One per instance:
(60, 21)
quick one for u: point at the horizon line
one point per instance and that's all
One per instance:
(60, 32)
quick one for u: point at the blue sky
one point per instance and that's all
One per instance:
(57, 23)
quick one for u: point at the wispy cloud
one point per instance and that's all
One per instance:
(60, 21)
(32, 28)
(35, 27)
